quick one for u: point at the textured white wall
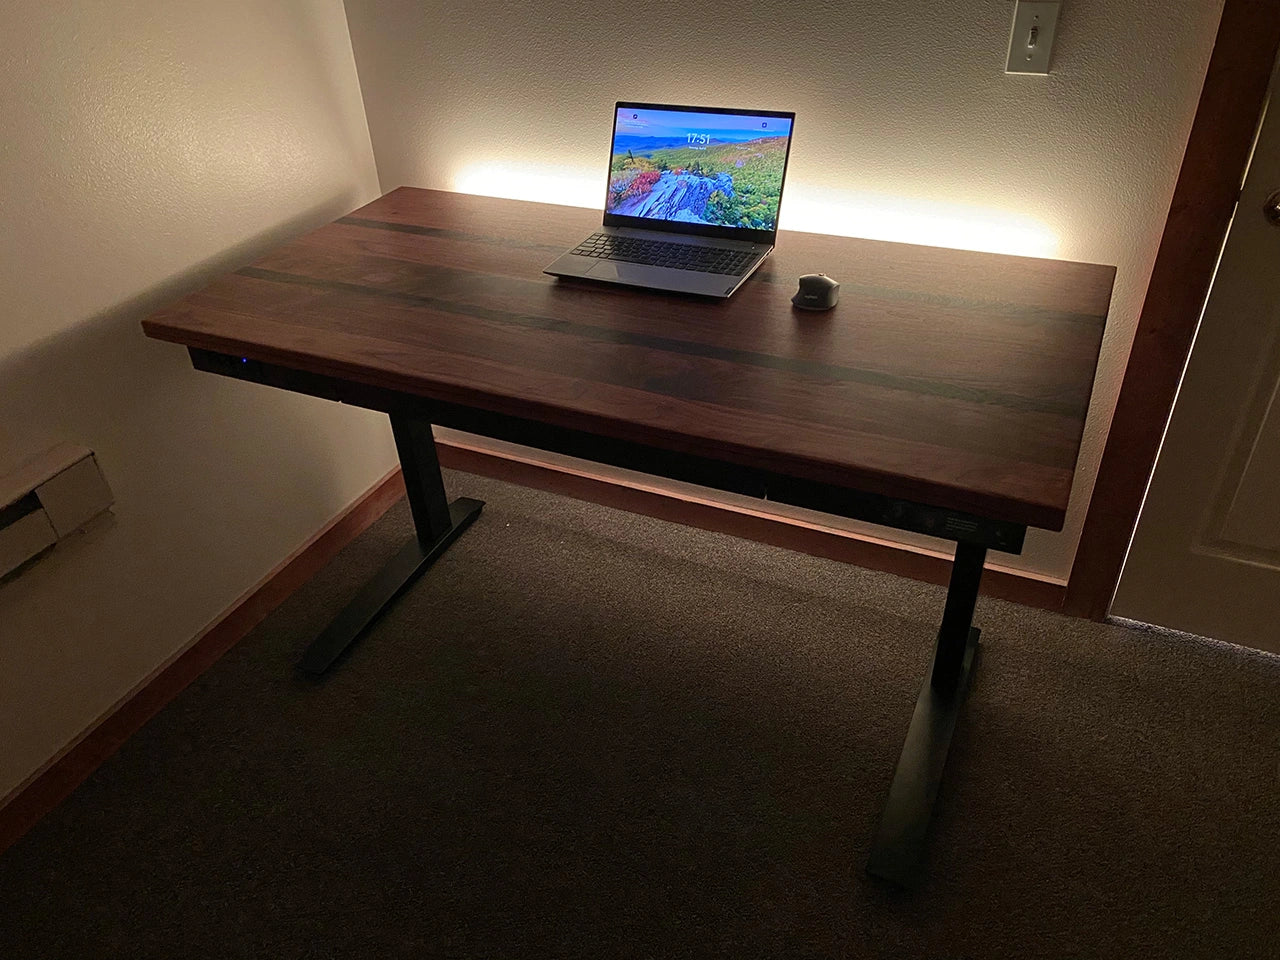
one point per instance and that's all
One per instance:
(907, 127)
(148, 144)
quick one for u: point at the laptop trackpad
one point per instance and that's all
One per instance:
(647, 275)
(613, 270)
(662, 278)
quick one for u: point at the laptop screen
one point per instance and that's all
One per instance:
(698, 167)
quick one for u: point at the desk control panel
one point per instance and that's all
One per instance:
(690, 468)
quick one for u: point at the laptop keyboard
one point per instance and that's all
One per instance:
(659, 253)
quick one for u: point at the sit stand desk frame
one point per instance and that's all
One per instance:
(899, 846)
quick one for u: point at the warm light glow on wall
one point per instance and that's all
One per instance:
(574, 188)
(912, 220)
(851, 214)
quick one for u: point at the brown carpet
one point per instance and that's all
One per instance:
(591, 734)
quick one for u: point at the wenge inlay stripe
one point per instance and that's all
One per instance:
(764, 275)
(794, 365)
(998, 308)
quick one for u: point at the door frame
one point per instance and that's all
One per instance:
(1218, 148)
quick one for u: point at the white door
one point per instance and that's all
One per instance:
(1205, 556)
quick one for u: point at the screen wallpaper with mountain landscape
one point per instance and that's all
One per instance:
(712, 168)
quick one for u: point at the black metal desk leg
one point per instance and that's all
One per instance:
(898, 848)
(437, 523)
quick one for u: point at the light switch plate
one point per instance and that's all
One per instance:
(1031, 39)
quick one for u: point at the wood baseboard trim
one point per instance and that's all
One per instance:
(55, 781)
(582, 481)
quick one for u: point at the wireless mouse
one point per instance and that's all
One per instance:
(817, 292)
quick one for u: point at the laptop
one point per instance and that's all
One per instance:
(692, 199)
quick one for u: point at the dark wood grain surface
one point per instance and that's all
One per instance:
(955, 379)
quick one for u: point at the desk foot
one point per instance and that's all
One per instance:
(897, 852)
(388, 583)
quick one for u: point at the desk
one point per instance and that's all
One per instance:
(946, 393)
